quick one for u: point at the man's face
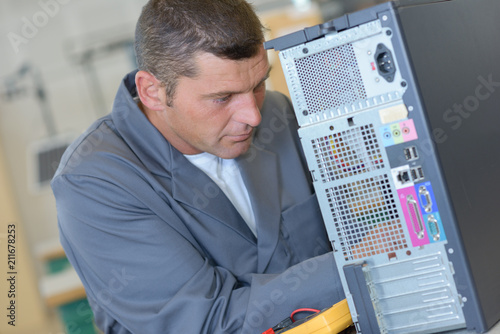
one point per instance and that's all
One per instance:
(216, 111)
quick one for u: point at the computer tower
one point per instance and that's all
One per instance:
(399, 114)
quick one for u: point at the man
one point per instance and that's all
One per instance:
(188, 208)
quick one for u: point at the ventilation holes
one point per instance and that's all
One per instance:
(347, 153)
(366, 218)
(335, 80)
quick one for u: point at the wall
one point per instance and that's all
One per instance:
(44, 35)
(40, 42)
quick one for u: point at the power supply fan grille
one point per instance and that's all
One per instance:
(347, 153)
(366, 218)
(330, 78)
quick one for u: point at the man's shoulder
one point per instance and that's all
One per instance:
(93, 147)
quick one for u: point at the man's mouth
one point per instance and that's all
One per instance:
(241, 137)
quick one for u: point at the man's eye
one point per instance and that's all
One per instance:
(222, 99)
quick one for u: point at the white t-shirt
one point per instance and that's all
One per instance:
(226, 174)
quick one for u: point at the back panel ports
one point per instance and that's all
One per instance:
(404, 176)
(415, 216)
(425, 198)
(417, 174)
(410, 153)
(433, 227)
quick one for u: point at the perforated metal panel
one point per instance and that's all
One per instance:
(347, 153)
(336, 80)
(365, 217)
(381, 225)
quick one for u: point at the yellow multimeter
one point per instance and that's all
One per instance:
(332, 320)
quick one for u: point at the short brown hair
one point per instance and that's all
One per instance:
(169, 33)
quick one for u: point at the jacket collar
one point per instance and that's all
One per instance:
(147, 143)
(259, 167)
(194, 188)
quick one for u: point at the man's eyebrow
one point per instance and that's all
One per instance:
(221, 94)
(266, 76)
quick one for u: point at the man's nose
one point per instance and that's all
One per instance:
(248, 111)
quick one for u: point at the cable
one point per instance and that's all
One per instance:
(328, 321)
(303, 310)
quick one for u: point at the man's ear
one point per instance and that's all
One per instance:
(150, 90)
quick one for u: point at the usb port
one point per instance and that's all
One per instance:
(417, 174)
(414, 152)
(414, 175)
(420, 173)
(407, 153)
(410, 153)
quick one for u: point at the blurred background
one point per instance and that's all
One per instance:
(61, 62)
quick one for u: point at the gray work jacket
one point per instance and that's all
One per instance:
(161, 249)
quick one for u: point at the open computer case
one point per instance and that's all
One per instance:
(399, 114)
